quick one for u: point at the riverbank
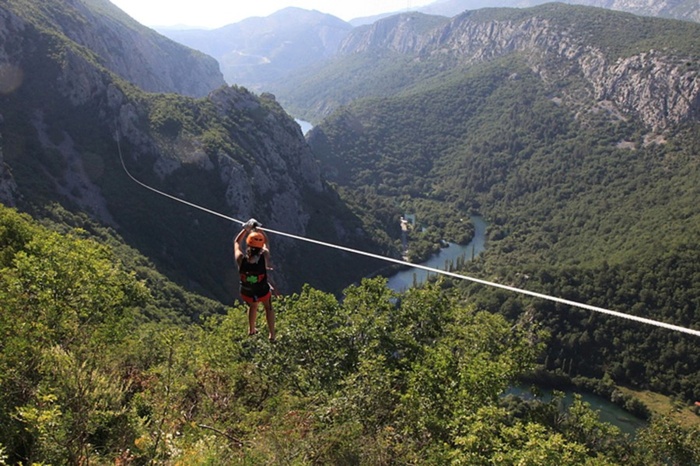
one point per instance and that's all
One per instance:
(623, 410)
(447, 257)
(663, 405)
(606, 410)
(624, 407)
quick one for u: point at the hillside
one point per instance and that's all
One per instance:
(558, 41)
(574, 131)
(371, 379)
(234, 152)
(134, 52)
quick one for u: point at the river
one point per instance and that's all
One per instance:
(607, 411)
(407, 278)
(404, 279)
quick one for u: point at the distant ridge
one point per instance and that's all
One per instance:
(258, 51)
(688, 10)
(605, 48)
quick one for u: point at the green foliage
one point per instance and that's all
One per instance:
(489, 442)
(571, 213)
(377, 378)
(388, 171)
(63, 299)
(666, 443)
(358, 77)
(78, 408)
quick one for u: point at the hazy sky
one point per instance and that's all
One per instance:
(217, 13)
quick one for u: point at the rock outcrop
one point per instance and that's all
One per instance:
(687, 10)
(284, 165)
(659, 87)
(134, 52)
(63, 110)
(8, 187)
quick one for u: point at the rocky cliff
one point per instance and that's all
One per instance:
(8, 187)
(404, 33)
(62, 111)
(661, 87)
(117, 42)
(688, 10)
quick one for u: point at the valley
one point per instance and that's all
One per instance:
(568, 199)
(568, 134)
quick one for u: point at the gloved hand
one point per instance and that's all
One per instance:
(251, 224)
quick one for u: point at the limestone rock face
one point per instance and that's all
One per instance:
(658, 87)
(118, 43)
(686, 10)
(400, 33)
(283, 168)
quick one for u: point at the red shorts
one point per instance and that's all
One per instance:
(255, 299)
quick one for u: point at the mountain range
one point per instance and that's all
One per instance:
(259, 53)
(573, 130)
(687, 10)
(614, 64)
(132, 51)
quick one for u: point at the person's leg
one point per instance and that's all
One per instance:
(252, 317)
(270, 317)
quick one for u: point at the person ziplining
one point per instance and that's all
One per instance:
(252, 223)
(253, 264)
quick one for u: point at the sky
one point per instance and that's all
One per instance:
(212, 14)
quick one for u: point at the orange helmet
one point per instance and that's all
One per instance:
(255, 240)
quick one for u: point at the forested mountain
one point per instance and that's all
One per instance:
(687, 10)
(558, 42)
(64, 109)
(574, 130)
(257, 51)
(260, 52)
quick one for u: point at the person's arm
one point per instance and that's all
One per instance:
(268, 266)
(268, 260)
(238, 246)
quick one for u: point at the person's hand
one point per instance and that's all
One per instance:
(251, 224)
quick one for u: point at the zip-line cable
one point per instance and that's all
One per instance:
(534, 294)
